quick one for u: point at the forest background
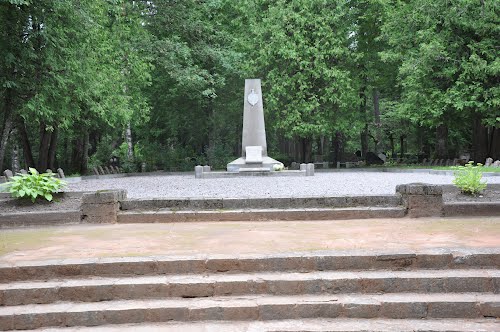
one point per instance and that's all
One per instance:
(161, 82)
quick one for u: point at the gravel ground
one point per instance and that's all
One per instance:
(322, 184)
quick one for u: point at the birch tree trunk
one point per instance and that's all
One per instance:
(128, 139)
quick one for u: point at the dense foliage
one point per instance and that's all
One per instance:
(161, 82)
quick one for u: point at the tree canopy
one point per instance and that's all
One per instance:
(161, 82)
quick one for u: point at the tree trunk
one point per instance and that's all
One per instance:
(494, 144)
(7, 127)
(307, 150)
(402, 146)
(77, 154)
(43, 151)
(378, 125)
(85, 153)
(442, 141)
(15, 154)
(364, 132)
(393, 148)
(52, 150)
(28, 156)
(479, 141)
(128, 139)
(337, 148)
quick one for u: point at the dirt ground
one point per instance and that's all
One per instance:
(87, 241)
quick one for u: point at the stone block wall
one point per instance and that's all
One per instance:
(421, 199)
(102, 207)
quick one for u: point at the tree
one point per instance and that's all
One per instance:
(302, 51)
(449, 69)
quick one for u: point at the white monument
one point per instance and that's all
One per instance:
(253, 145)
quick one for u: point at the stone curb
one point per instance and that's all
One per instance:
(457, 209)
(458, 258)
(259, 203)
(309, 324)
(9, 220)
(413, 306)
(260, 215)
(219, 284)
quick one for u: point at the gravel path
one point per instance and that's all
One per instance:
(322, 184)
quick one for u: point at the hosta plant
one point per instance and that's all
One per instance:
(468, 178)
(35, 185)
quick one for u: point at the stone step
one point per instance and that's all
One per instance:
(304, 325)
(301, 262)
(261, 308)
(236, 203)
(191, 286)
(171, 216)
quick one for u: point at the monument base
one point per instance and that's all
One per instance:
(240, 165)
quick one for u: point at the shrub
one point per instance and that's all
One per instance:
(468, 178)
(34, 185)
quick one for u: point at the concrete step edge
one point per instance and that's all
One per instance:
(133, 288)
(259, 203)
(163, 216)
(416, 306)
(316, 325)
(459, 258)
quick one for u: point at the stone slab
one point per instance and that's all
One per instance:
(253, 155)
(318, 324)
(134, 287)
(41, 218)
(253, 307)
(471, 209)
(260, 215)
(433, 259)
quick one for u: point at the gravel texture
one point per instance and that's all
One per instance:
(322, 184)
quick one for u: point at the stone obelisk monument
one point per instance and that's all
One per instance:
(253, 144)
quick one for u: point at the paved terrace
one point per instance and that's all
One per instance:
(322, 184)
(239, 238)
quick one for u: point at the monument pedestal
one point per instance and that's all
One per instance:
(240, 165)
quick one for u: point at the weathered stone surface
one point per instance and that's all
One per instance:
(8, 174)
(422, 200)
(419, 189)
(102, 206)
(9, 220)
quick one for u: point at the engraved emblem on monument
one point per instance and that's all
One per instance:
(253, 98)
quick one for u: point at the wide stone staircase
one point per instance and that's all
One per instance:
(432, 290)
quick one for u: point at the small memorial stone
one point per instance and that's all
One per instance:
(488, 162)
(303, 167)
(496, 163)
(61, 173)
(23, 171)
(310, 169)
(8, 174)
(206, 168)
(198, 172)
(49, 171)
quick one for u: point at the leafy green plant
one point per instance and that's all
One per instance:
(35, 185)
(468, 178)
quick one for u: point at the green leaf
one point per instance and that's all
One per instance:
(48, 197)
